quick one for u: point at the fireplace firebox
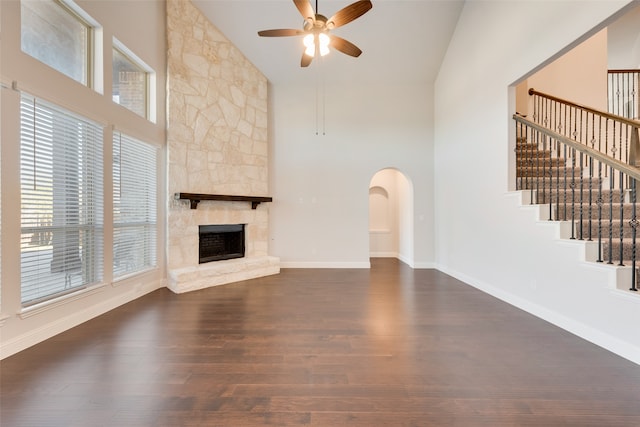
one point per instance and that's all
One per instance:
(219, 242)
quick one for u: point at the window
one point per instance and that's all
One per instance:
(61, 182)
(130, 82)
(134, 205)
(54, 34)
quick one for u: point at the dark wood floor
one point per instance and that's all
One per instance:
(385, 347)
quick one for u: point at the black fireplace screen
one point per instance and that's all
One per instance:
(218, 242)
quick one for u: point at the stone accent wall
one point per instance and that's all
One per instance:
(217, 144)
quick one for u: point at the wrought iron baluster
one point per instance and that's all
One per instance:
(517, 151)
(564, 161)
(573, 193)
(611, 189)
(539, 159)
(599, 202)
(590, 198)
(618, 100)
(581, 125)
(557, 168)
(614, 147)
(527, 152)
(533, 150)
(548, 173)
(606, 136)
(634, 225)
(627, 87)
(581, 196)
(593, 133)
(627, 140)
(635, 98)
(567, 122)
(545, 110)
(621, 219)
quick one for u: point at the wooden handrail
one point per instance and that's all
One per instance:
(630, 71)
(630, 122)
(631, 171)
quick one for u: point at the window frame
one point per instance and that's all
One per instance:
(149, 79)
(92, 30)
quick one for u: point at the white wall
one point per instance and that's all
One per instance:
(483, 236)
(406, 221)
(146, 38)
(320, 184)
(624, 41)
(584, 66)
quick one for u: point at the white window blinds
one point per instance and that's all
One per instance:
(134, 205)
(61, 181)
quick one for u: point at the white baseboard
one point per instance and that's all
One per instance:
(406, 260)
(425, 265)
(597, 337)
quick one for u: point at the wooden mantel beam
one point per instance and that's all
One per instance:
(196, 198)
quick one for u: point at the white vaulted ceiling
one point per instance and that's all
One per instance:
(403, 41)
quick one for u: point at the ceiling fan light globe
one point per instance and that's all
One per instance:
(324, 41)
(308, 40)
(310, 45)
(310, 51)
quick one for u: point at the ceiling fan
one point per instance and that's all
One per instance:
(316, 29)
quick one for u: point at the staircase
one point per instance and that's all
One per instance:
(581, 174)
(570, 196)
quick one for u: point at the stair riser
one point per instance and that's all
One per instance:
(541, 172)
(593, 214)
(524, 155)
(546, 182)
(541, 161)
(562, 197)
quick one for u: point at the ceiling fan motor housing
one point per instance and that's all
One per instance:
(319, 24)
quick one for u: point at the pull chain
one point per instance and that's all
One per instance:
(317, 97)
(319, 76)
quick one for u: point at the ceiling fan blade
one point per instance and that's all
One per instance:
(305, 9)
(306, 60)
(344, 46)
(280, 33)
(349, 13)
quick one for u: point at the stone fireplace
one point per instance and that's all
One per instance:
(216, 144)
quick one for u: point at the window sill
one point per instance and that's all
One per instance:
(60, 301)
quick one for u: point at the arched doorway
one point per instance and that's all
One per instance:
(391, 216)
